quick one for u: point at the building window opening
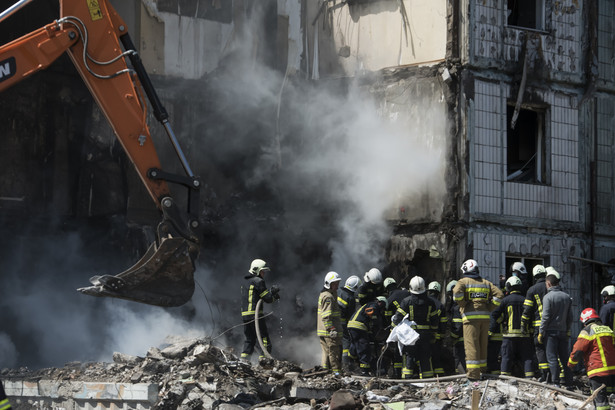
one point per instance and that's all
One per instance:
(525, 154)
(526, 13)
(529, 264)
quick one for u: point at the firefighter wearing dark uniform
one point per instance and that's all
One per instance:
(594, 346)
(251, 292)
(476, 298)
(433, 291)
(394, 297)
(421, 309)
(364, 326)
(371, 288)
(4, 401)
(456, 330)
(532, 316)
(607, 311)
(346, 301)
(516, 345)
(494, 346)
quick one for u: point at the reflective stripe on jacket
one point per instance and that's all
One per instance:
(595, 345)
(251, 293)
(509, 315)
(532, 312)
(329, 314)
(476, 297)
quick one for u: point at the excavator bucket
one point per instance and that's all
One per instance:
(164, 276)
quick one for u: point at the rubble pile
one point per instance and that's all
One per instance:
(194, 374)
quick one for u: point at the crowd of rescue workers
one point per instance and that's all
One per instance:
(373, 327)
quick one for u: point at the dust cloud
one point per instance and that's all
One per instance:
(305, 176)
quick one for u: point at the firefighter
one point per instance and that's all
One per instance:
(555, 326)
(516, 345)
(607, 311)
(518, 269)
(456, 330)
(594, 346)
(364, 327)
(532, 316)
(329, 325)
(494, 345)
(347, 302)
(371, 288)
(476, 297)
(4, 401)
(251, 292)
(394, 297)
(421, 309)
(433, 291)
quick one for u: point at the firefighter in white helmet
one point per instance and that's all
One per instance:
(607, 311)
(532, 315)
(516, 344)
(433, 291)
(395, 295)
(329, 324)
(371, 288)
(518, 269)
(421, 309)
(476, 298)
(348, 305)
(251, 292)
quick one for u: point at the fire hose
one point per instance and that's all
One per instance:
(258, 330)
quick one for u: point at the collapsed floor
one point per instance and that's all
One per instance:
(193, 374)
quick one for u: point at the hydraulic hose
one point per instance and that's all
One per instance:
(258, 330)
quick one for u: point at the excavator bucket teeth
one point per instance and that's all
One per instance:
(164, 276)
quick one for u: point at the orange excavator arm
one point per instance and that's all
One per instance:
(97, 41)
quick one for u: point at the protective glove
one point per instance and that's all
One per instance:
(540, 337)
(333, 333)
(275, 292)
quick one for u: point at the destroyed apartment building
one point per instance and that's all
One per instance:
(405, 134)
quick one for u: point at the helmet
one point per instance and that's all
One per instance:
(469, 266)
(330, 278)
(552, 272)
(374, 276)
(512, 282)
(353, 283)
(435, 286)
(608, 291)
(388, 282)
(518, 267)
(417, 285)
(587, 315)
(257, 266)
(451, 285)
(538, 270)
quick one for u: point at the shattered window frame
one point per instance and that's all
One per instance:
(526, 146)
(519, 14)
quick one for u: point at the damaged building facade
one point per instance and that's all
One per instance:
(528, 93)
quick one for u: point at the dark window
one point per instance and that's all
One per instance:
(526, 13)
(525, 153)
(217, 10)
(528, 262)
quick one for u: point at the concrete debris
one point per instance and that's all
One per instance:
(194, 374)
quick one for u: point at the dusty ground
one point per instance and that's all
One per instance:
(193, 374)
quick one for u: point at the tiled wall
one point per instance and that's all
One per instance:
(559, 43)
(491, 248)
(606, 154)
(606, 31)
(490, 193)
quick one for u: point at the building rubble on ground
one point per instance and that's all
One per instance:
(194, 374)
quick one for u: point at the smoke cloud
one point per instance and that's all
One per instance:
(302, 175)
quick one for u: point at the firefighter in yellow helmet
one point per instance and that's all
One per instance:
(476, 298)
(329, 325)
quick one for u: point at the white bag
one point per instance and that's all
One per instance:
(404, 334)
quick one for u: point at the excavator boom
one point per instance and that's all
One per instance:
(97, 41)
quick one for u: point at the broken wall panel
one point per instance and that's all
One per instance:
(347, 38)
